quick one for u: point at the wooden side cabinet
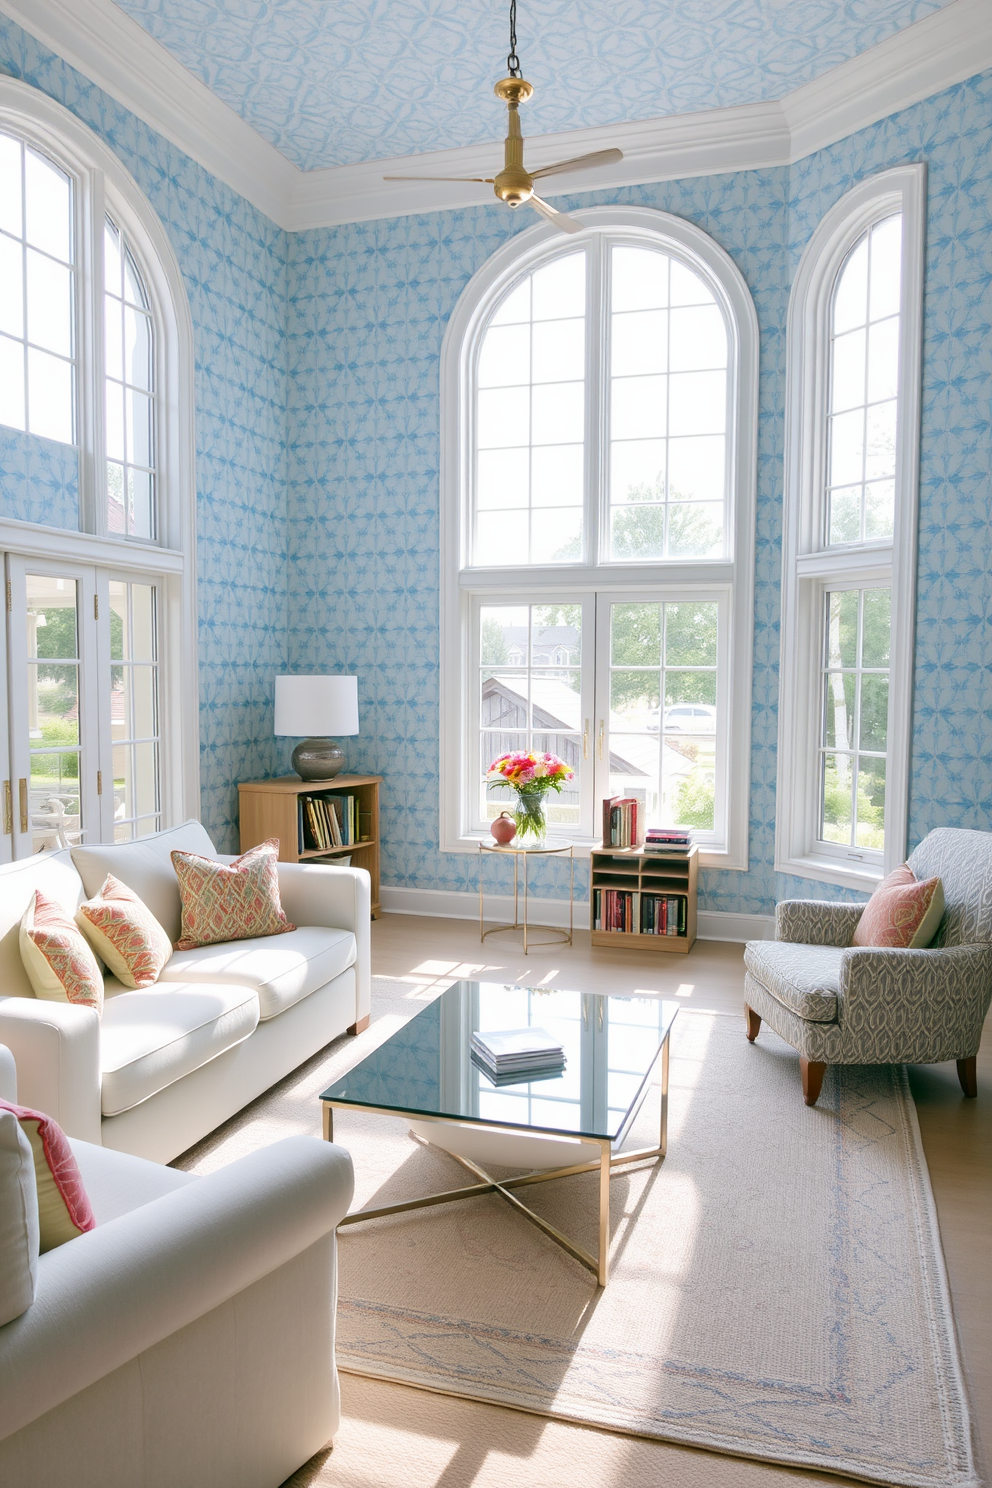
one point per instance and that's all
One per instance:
(628, 888)
(271, 808)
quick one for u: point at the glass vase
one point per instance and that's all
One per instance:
(531, 816)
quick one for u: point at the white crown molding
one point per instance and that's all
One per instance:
(113, 51)
(103, 43)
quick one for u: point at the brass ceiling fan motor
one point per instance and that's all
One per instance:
(514, 185)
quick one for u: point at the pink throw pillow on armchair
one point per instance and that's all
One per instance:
(63, 1209)
(903, 913)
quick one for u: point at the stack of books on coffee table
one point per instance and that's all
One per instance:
(514, 1055)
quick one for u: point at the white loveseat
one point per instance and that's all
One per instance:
(167, 1064)
(189, 1338)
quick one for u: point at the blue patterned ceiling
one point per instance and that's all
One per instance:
(335, 82)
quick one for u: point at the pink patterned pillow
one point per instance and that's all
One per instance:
(57, 958)
(235, 901)
(903, 913)
(125, 934)
(63, 1208)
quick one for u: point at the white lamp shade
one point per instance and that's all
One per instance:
(316, 707)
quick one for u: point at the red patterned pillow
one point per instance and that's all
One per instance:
(63, 1208)
(57, 957)
(235, 901)
(903, 913)
(125, 934)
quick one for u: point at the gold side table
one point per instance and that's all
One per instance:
(555, 936)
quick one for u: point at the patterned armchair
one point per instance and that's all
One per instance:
(842, 1004)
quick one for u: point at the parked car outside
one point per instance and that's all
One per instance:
(685, 718)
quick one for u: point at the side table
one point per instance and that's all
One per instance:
(555, 936)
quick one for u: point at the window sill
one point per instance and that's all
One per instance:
(864, 877)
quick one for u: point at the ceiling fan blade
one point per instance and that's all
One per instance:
(557, 219)
(483, 180)
(581, 162)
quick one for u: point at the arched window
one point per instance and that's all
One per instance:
(97, 521)
(850, 536)
(599, 410)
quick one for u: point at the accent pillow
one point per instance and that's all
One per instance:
(57, 957)
(125, 934)
(63, 1208)
(903, 913)
(230, 901)
(18, 1220)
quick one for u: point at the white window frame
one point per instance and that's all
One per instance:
(809, 566)
(102, 185)
(461, 584)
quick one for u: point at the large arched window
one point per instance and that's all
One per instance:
(599, 409)
(850, 536)
(97, 516)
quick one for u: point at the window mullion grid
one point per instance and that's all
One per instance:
(596, 516)
(91, 361)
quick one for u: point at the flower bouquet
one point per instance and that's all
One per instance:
(531, 776)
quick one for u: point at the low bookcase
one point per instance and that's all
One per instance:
(644, 876)
(271, 808)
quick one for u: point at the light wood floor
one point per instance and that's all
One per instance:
(396, 1437)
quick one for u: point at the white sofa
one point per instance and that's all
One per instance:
(189, 1338)
(166, 1065)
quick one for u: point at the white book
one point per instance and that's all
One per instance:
(513, 1045)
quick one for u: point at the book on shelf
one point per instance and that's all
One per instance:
(620, 821)
(664, 914)
(673, 840)
(613, 909)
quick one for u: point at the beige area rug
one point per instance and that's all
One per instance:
(777, 1286)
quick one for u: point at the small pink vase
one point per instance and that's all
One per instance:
(504, 828)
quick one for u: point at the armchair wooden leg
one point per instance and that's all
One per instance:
(968, 1075)
(753, 1023)
(361, 1025)
(812, 1071)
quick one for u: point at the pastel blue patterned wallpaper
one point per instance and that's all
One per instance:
(233, 262)
(366, 79)
(369, 304)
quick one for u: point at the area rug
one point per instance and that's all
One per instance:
(777, 1287)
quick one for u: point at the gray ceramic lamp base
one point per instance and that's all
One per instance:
(317, 759)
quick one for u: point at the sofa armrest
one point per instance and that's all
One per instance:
(108, 1295)
(56, 1048)
(816, 921)
(341, 898)
(915, 1006)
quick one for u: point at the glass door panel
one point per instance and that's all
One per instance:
(133, 715)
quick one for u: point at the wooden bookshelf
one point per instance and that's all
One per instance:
(644, 873)
(269, 808)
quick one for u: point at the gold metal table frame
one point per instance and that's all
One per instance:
(607, 1161)
(553, 934)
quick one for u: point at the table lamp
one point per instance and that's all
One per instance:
(315, 708)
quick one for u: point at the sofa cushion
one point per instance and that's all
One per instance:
(51, 872)
(230, 901)
(903, 913)
(803, 978)
(146, 867)
(57, 956)
(152, 1037)
(117, 1182)
(63, 1205)
(282, 969)
(19, 1234)
(125, 934)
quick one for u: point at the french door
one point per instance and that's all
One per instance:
(80, 676)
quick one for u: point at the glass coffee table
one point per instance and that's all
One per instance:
(613, 1045)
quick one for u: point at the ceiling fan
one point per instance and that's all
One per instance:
(514, 185)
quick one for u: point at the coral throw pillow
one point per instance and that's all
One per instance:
(903, 913)
(125, 934)
(57, 957)
(63, 1208)
(230, 901)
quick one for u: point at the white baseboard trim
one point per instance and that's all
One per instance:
(453, 904)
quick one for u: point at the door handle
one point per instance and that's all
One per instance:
(22, 791)
(602, 735)
(8, 809)
(585, 741)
